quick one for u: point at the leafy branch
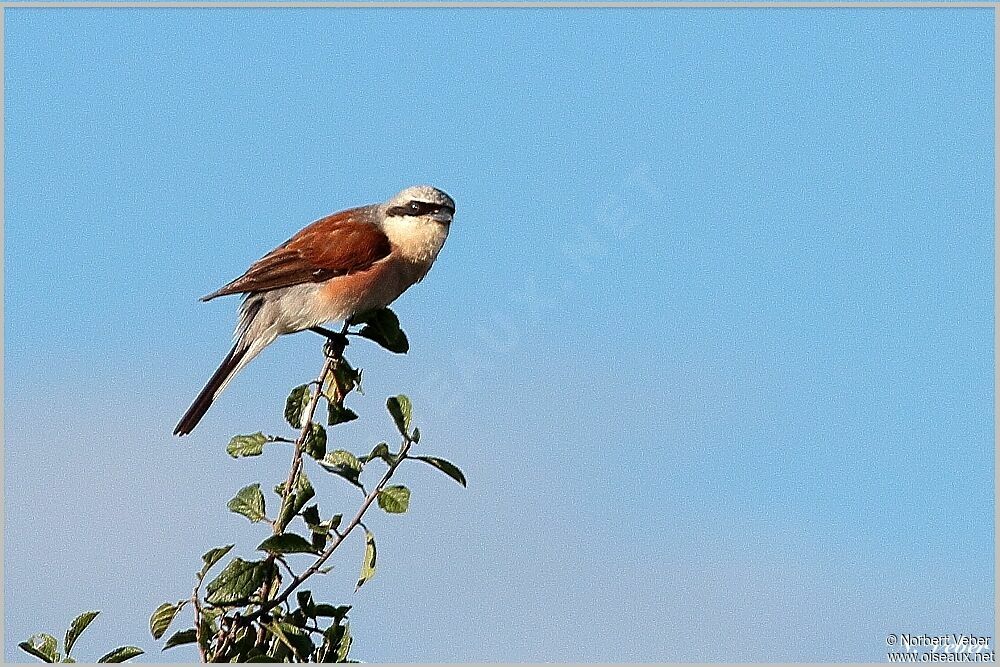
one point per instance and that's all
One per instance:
(394, 500)
(246, 613)
(250, 612)
(45, 647)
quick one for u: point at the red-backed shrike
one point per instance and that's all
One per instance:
(337, 267)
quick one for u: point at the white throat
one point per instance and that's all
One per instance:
(417, 239)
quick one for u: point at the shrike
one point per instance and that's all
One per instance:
(337, 267)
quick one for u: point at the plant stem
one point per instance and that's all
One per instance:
(307, 422)
(197, 622)
(334, 351)
(339, 539)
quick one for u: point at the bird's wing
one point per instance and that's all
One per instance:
(336, 245)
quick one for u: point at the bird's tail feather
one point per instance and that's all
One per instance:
(238, 357)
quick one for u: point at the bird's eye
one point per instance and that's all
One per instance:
(417, 208)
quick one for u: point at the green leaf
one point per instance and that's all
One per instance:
(382, 326)
(287, 543)
(341, 458)
(42, 646)
(121, 654)
(238, 582)
(296, 404)
(211, 557)
(188, 636)
(315, 442)
(293, 637)
(304, 491)
(344, 647)
(162, 618)
(394, 499)
(338, 414)
(249, 502)
(336, 642)
(401, 410)
(320, 529)
(77, 627)
(345, 378)
(331, 611)
(311, 516)
(212, 613)
(344, 463)
(319, 541)
(246, 445)
(380, 451)
(368, 564)
(415, 436)
(446, 467)
(305, 600)
(209, 628)
(279, 651)
(296, 500)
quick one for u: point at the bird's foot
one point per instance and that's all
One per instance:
(335, 342)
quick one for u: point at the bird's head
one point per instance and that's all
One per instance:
(417, 221)
(421, 204)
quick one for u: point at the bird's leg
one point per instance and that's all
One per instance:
(323, 331)
(335, 342)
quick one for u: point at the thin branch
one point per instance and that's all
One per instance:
(197, 621)
(288, 567)
(228, 634)
(334, 351)
(265, 591)
(307, 422)
(354, 523)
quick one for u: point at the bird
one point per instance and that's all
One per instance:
(345, 264)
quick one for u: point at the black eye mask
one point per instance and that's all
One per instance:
(415, 208)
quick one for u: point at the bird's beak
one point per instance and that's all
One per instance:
(444, 217)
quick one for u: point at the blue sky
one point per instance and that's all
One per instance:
(712, 336)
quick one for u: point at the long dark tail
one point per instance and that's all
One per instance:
(233, 362)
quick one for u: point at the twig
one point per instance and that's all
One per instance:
(228, 634)
(264, 593)
(197, 622)
(341, 536)
(307, 422)
(287, 566)
(334, 351)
